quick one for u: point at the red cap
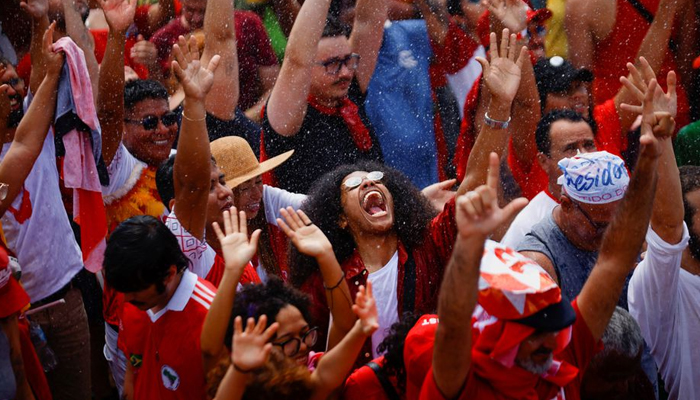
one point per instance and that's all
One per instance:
(696, 63)
(418, 353)
(12, 297)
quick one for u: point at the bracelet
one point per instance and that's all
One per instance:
(494, 123)
(336, 285)
(193, 120)
(241, 370)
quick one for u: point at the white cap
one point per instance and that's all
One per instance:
(594, 178)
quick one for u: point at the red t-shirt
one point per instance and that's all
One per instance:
(363, 384)
(163, 349)
(578, 353)
(532, 178)
(252, 42)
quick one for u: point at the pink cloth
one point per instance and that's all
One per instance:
(79, 165)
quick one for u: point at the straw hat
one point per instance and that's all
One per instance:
(237, 161)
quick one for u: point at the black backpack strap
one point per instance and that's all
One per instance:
(389, 389)
(409, 284)
(643, 11)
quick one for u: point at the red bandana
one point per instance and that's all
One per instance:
(351, 115)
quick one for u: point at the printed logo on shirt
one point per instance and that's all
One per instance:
(136, 360)
(171, 380)
(407, 60)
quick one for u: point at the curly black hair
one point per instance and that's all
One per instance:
(412, 214)
(255, 300)
(392, 347)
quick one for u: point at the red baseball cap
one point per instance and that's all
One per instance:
(12, 297)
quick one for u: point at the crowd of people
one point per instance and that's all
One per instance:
(349, 199)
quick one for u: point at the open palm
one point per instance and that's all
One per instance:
(118, 13)
(502, 73)
(511, 13)
(366, 309)
(196, 81)
(308, 238)
(236, 247)
(250, 346)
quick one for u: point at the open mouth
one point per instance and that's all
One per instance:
(373, 203)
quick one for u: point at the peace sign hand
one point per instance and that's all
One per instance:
(478, 212)
(237, 248)
(308, 238)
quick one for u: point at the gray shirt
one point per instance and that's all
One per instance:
(572, 265)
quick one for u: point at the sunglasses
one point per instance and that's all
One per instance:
(333, 65)
(355, 181)
(291, 346)
(150, 122)
(599, 226)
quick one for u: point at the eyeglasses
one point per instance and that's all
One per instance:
(291, 346)
(599, 226)
(150, 122)
(333, 65)
(15, 83)
(355, 181)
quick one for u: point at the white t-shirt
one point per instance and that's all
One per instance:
(384, 287)
(274, 199)
(44, 243)
(539, 208)
(665, 300)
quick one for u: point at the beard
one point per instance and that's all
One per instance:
(15, 117)
(537, 369)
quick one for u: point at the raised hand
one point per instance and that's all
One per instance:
(195, 80)
(118, 13)
(657, 127)
(52, 59)
(502, 73)
(237, 249)
(365, 308)
(440, 193)
(478, 212)
(638, 84)
(251, 348)
(144, 52)
(36, 9)
(306, 236)
(511, 13)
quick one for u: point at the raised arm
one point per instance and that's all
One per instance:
(335, 365)
(653, 48)
(159, 14)
(219, 29)
(579, 18)
(238, 250)
(478, 215)
(366, 37)
(192, 169)
(667, 213)
(437, 20)
(625, 235)
(37, 10)
(286, 108)
(311, 241)
(119, 15)
(286, 11)
(502, 79)
(76, 30)
(34, 126)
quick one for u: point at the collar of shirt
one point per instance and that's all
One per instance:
(354, 267)
(180, 298)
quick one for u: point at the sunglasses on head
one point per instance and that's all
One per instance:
(150, 122)
(355, 181)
